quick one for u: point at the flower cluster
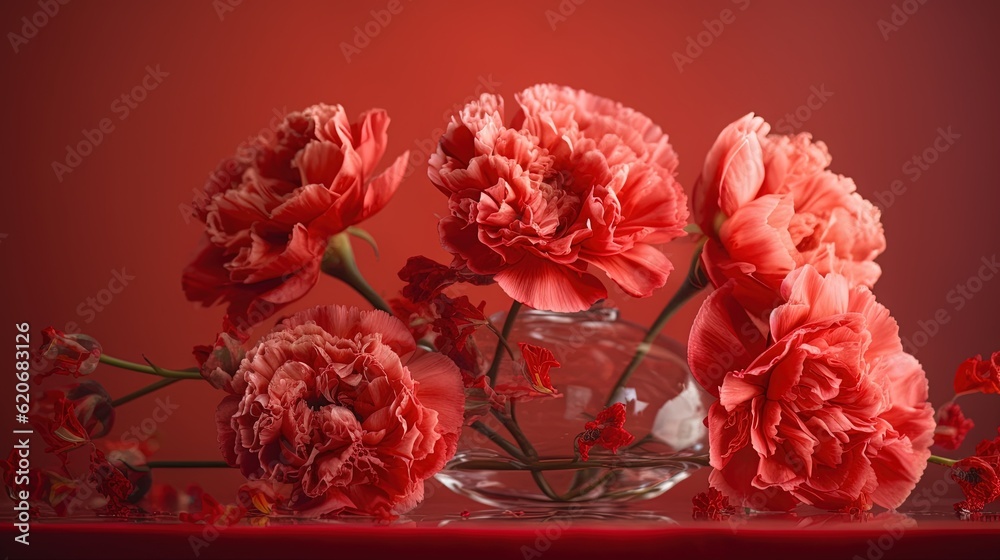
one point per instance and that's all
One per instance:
(817, 401)
(343, 411)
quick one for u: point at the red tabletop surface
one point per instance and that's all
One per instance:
(489, 534)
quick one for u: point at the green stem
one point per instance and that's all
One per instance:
(515, 430)
(544, 486)
(339, 262)
(694, 282)
(514, 452)
(503, 341)
(578, 491)
(508, 325)
(499, 440)
(188, 465)
(145, 391)
(151, 370)
(943, 461)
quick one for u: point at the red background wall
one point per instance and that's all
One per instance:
(229, 67)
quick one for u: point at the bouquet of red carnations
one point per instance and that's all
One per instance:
(346, 411)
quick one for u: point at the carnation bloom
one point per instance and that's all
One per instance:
(952, 426)
(768, 204)
(571, 181)
(824, 409)
(269, 213)
(338, 412)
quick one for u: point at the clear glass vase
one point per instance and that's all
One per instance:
(664, 408)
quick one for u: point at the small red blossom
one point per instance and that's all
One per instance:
(418, 317)
(65, 354)
(214, 513)
(42, 485)
(712, 505)
(59, 425)
(58, 491)
(457, 319)
(426, 279)
(537, 363)
(979, 481)
(977, 375)
(110, 483)
(989, 449)
(131, 458)
(952, 426)
(452, 322)
(262, 496)
(979, 476)
(607, 430)
(161, 498)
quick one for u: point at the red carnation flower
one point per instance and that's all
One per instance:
(607, 430)
(340, 412)
(269, 214)
(571, 183)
